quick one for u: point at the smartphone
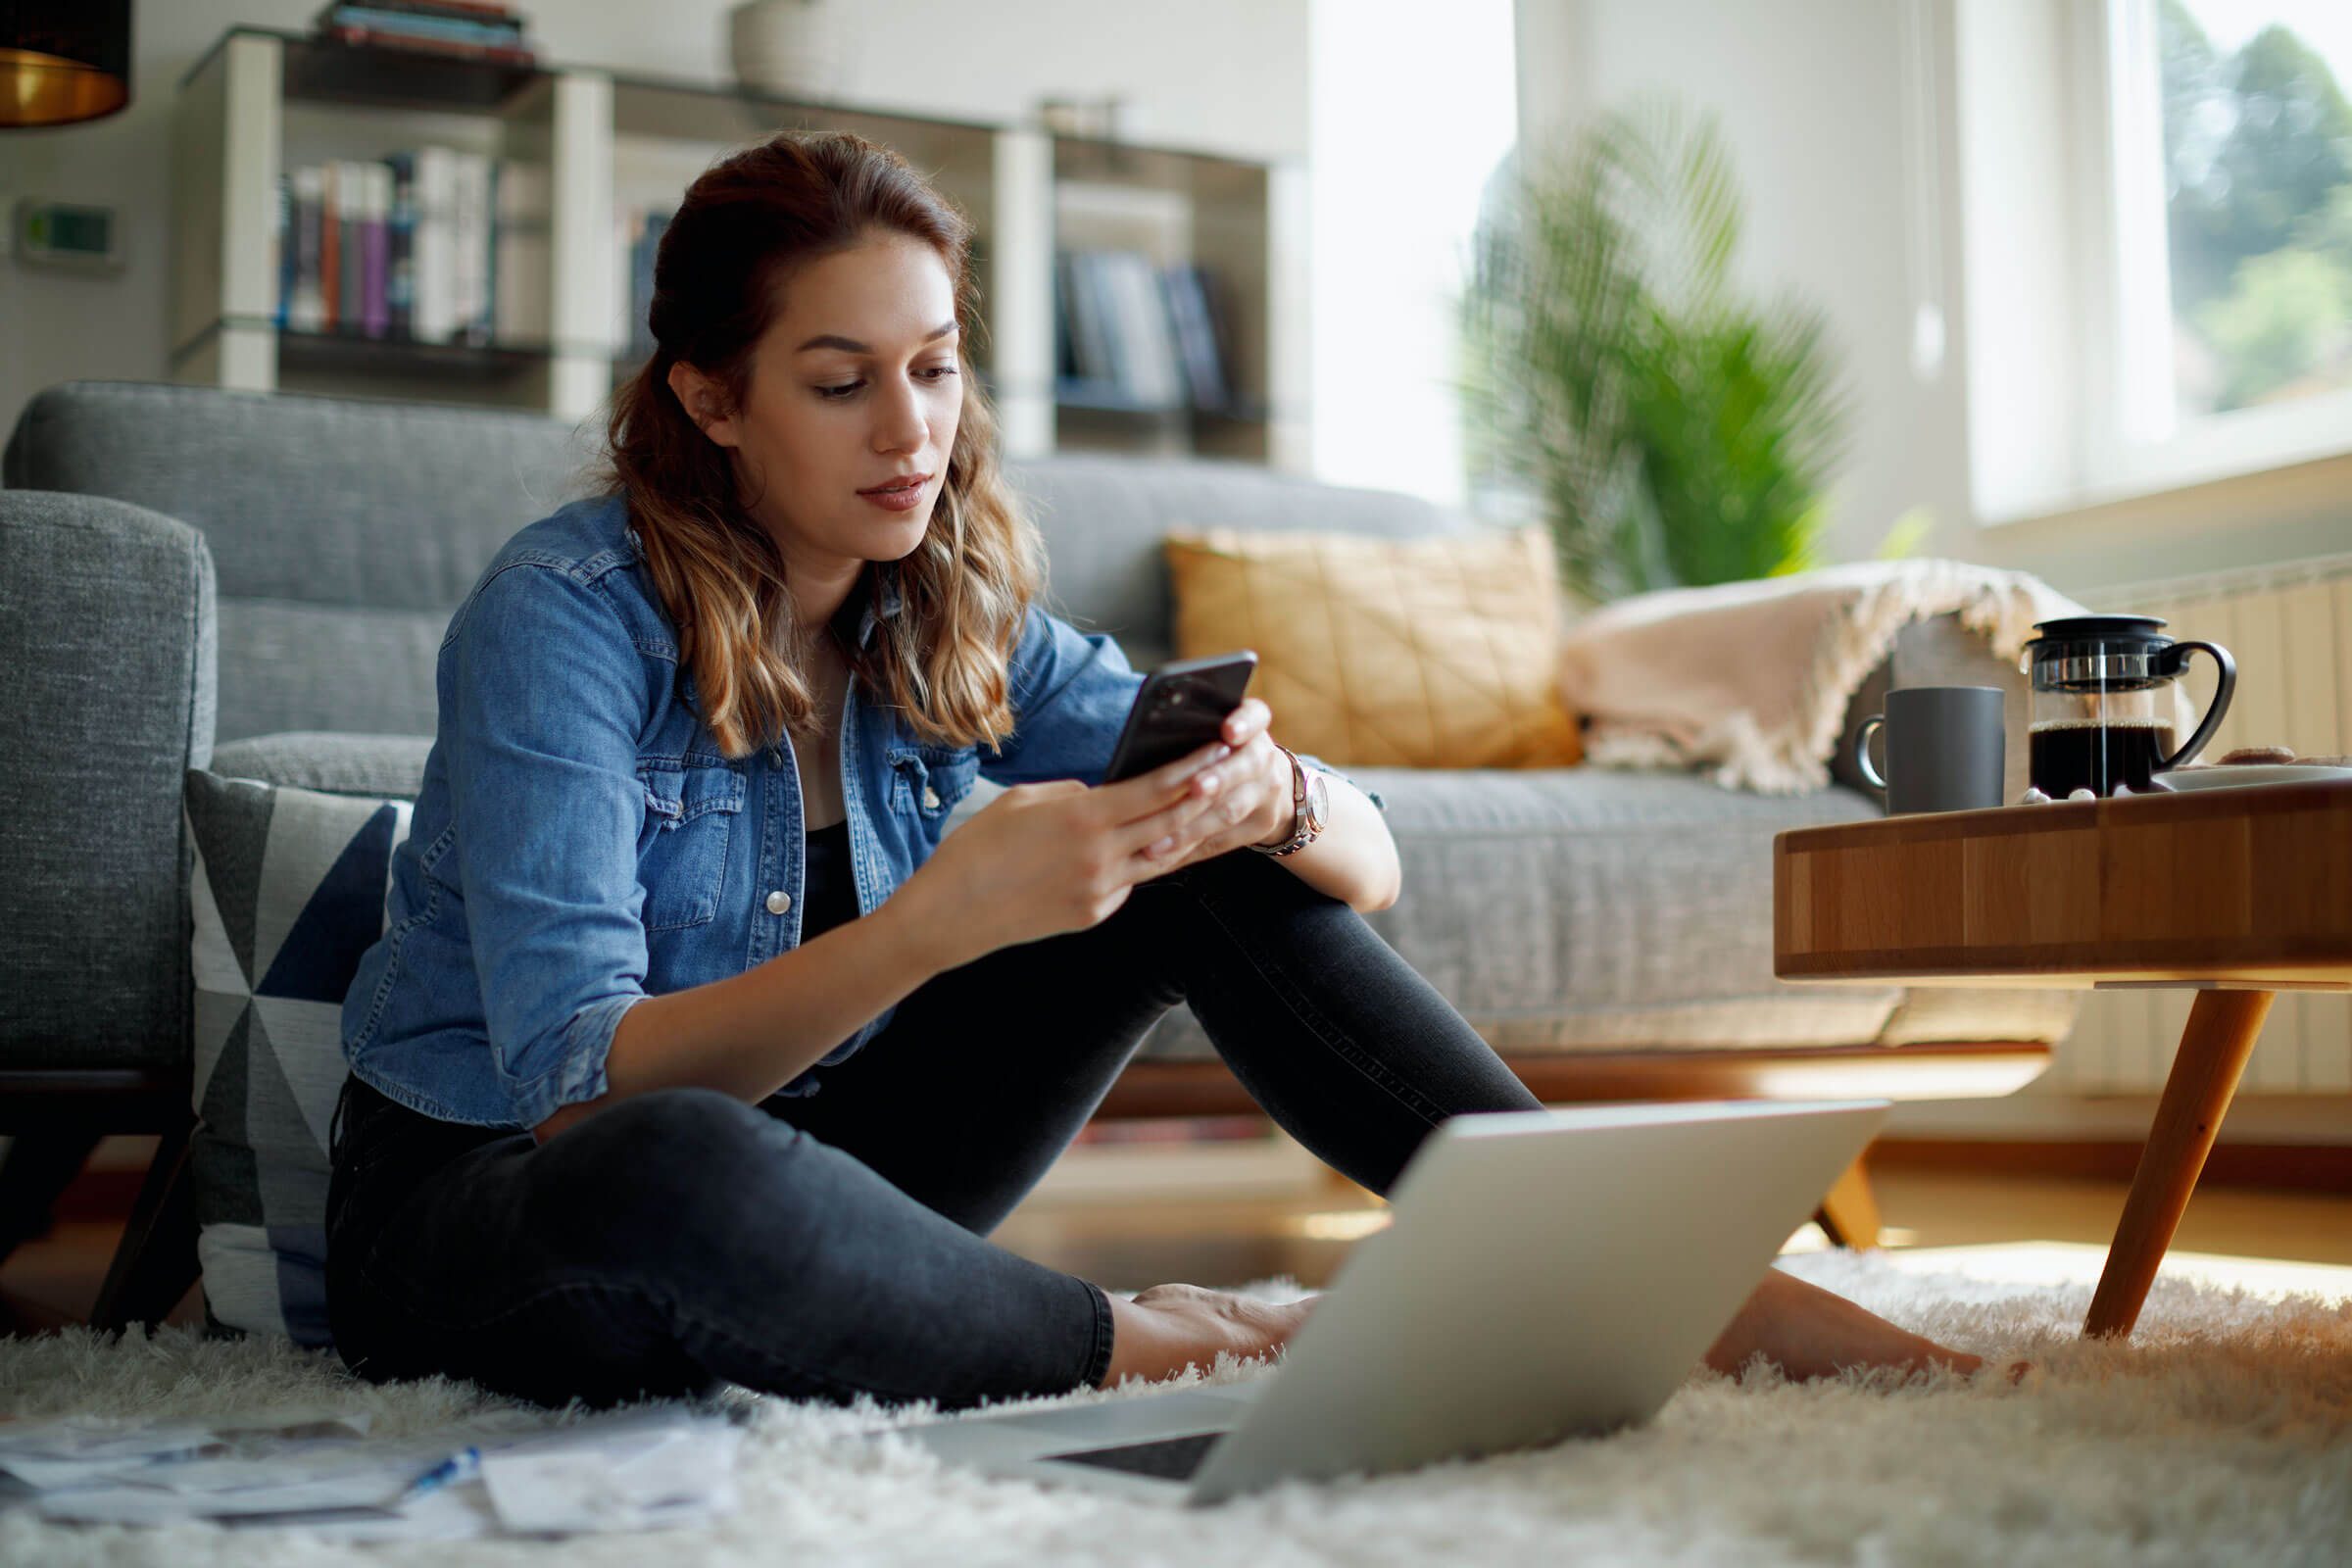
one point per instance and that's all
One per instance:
(1181, 708)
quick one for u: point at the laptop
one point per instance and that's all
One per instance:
(1545, 1274)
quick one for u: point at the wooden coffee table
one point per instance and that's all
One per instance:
(2235, 893)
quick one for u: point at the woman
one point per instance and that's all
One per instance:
(692, 1051)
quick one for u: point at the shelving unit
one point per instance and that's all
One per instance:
(262, 101)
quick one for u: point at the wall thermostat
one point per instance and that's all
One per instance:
(57, 234)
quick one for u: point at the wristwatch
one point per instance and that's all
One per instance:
(1310, 806)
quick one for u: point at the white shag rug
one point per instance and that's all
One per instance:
(2221, 1433)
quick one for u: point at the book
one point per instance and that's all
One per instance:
(1140, 318)
(486, 315)
(1097, 359)
(350, 250)
(426, 24)
(470, 247)
(400, 246)
(644, 246)
(521, 284)
(484, 257)
(1188, 287)
(433, 306)
(490, 10)
(331, 248)
(305, 305)
(1065, 354)
(375, 248)
(281, 240)
(376, 38)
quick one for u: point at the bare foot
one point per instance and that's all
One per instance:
(1813, 1333)
(1170, 1327)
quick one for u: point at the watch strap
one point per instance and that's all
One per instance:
(1303, 830)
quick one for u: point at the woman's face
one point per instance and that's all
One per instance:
(857, 383)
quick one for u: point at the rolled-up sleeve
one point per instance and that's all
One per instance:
(544, 696)
(1070, 695)
(1309, 760)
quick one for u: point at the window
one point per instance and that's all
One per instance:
(2257, 158)
(1411, 106)
(2157, 231)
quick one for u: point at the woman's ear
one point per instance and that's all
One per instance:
(701, 398)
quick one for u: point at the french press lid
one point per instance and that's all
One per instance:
(2099, 654)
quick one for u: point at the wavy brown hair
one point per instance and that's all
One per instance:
(748, 224)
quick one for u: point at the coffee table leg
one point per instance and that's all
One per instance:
(1849, 1212)
(2222, 1026)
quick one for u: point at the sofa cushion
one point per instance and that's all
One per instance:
(354, 503)
(344, 532)
(330, 761)
(1410, 652)
(287, 893)
(1584, 908)
(293, 666)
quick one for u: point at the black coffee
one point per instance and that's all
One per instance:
(2098, 757)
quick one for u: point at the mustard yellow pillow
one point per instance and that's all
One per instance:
(1402, 653)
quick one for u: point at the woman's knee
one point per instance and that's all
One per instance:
(666, 1170)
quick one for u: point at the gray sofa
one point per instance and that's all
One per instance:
(258, 584)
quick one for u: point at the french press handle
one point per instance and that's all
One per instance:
(2175, 660)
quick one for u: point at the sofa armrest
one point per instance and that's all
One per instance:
(1940, 652)
(107, 633)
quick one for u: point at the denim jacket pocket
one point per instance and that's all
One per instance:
(927, 781)
(683, 863)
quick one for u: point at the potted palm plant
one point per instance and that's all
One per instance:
(1669, 431)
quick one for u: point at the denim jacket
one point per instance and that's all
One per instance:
(580, 842)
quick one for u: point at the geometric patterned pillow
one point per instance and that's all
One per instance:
(288, 892)
(1438, 651)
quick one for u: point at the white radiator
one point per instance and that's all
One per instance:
(2289, 628)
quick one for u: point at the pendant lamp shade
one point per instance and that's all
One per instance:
(62, 60)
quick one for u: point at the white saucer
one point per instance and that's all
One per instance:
(2237, 775)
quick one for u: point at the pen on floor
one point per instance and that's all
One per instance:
(456, 1467)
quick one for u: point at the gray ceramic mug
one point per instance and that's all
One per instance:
(1944, 749)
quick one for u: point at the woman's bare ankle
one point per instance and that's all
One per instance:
(1810, 1333)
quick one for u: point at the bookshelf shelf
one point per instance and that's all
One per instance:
(328, 72)
(331, 353)
(611, 147)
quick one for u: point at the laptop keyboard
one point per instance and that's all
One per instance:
(1170, 1458)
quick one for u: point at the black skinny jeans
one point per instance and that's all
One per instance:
(833, 1245)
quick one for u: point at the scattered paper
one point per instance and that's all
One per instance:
(73, 1451)
(618, 1479)
(318, 1471)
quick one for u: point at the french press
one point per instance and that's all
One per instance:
(2104, 701)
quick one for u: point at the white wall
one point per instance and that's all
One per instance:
(1811, 94)
(1408, 122)
(1225, 75)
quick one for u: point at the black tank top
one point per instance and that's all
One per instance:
(828, 889)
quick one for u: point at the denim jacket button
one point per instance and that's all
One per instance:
(778, 902)
(930, 799)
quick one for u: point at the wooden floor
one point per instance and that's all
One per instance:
(1131, 1243)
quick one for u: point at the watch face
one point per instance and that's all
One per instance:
(1318, 799)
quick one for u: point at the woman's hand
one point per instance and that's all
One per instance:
(1243, 799)
(1044, 858)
